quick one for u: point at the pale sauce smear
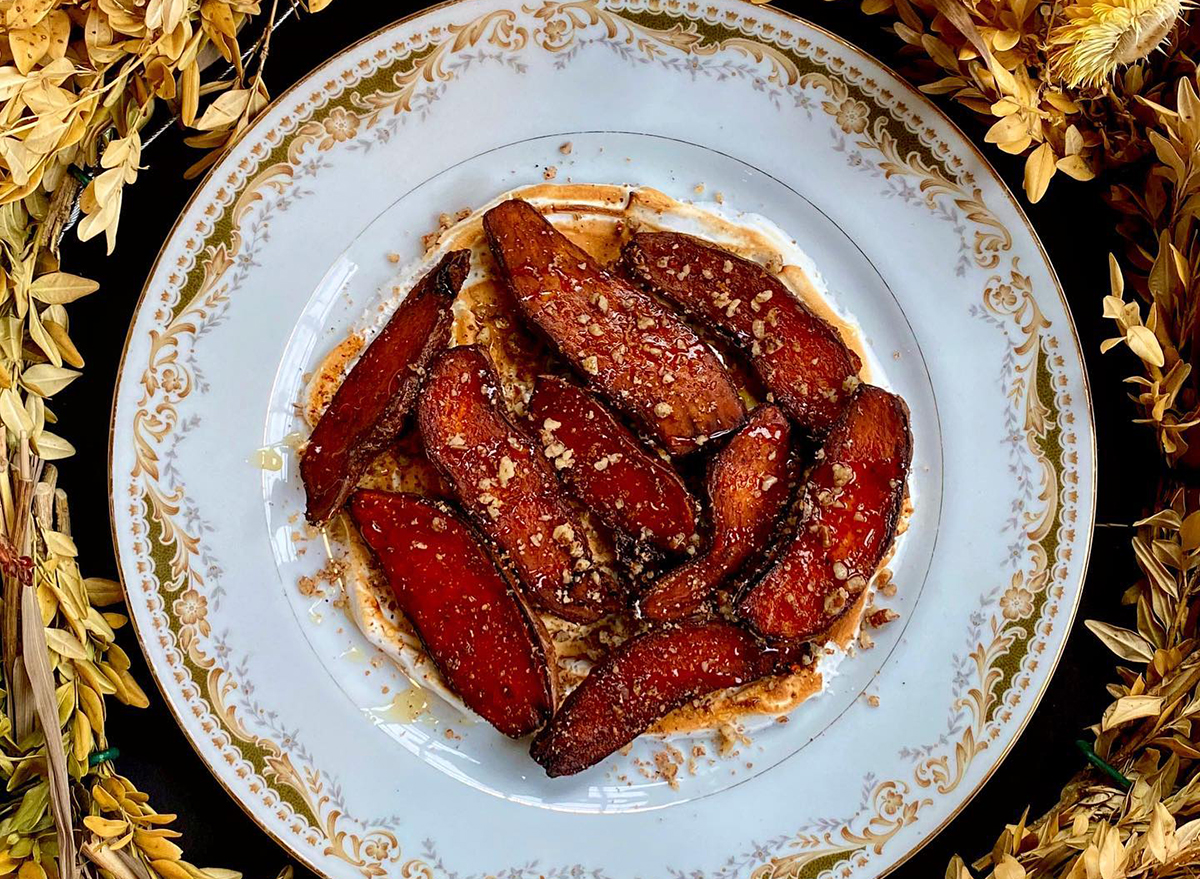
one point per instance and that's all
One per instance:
(600, 219)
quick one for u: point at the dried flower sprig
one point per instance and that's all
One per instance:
(1150, 735)
(79, 79)
(1099, 38)
(1058, 82)
(1159, 213)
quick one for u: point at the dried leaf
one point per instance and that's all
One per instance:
(1130, 708)
(60, 544)
(13, 413)
(66, 644)
(102, 592)
(1039, 168)
(46, 379)
(50, 447)
(1144, 344)
(1076, 167)
(225, 110)
(1009, 868)
(1127, 644)
(41, 678)
(59, 288)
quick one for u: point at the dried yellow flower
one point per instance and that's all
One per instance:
(1102, 36)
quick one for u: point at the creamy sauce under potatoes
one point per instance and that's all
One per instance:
(600, 219)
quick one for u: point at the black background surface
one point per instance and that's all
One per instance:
(1077, 232)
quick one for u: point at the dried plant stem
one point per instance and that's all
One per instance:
(41, 678)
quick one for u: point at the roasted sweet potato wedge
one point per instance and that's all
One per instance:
(626, 345)
(642, 680)
(605, 466)
(801, 358)
(509, 488)
(373, 401)
(749, 483)
(462, 606)
(853, 500)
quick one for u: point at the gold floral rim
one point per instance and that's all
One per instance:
(170, 559)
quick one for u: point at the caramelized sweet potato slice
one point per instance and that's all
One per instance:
(853, 501)
(801, 358)
(462, 606)
(373, 401)
(748, 486)
(507, 486)
(629, 348)
(608, 470)
(644, 679)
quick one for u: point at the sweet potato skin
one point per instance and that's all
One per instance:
(628, 347)
(506, 485)
(800, 357)
(371, 405)
(853, 500)
(462, 606)
(642, 680)
(607, 468)
(749, 483)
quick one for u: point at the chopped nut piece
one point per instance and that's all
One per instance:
(507, 470)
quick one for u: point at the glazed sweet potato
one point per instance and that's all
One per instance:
(644, 679)
(373, 401)
(626, 345)
(604, 465)
(801, 358)
(509, 488)
(749, 483)
(462, 606)
(853, 500)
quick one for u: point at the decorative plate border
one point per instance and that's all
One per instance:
(879, 132)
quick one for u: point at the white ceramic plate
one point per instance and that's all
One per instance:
(282, 251)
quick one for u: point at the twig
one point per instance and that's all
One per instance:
(41, 678)
(72, 216)
(229, 68)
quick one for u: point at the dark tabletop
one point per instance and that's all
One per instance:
(1077, 232)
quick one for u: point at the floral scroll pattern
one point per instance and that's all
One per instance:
(180, 580)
